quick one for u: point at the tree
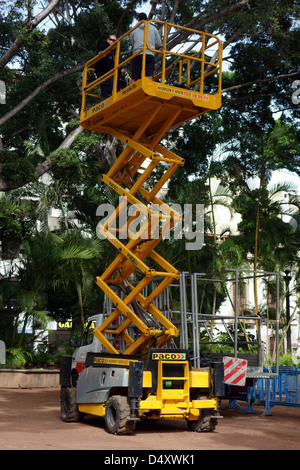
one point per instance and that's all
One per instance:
(263, 233)
(54, 60)
(28, 293)
(50, 265)
(17, 221)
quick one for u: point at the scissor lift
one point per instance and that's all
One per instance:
(187, 85)
(157, 381)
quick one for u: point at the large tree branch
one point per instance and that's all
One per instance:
(31, 24)
(41, 168)
(198, 22)
(153, 8)
(123, 16)
(38, 89)
(263, 80)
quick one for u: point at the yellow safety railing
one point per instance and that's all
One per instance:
(190, 64)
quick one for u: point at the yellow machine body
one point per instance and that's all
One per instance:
(187, 85)
(174, 380)
(166, 402)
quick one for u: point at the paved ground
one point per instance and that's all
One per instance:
(30, 419)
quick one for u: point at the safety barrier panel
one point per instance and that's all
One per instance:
(278, 390)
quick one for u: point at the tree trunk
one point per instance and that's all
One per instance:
(79, 293)
(23, 329)
(255, 259)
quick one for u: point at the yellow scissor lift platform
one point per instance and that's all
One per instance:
(186, 85)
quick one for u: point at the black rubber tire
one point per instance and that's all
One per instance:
(68, 406)
(117, 416)
(205, 423)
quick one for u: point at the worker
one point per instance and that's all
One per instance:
(104, 65)
(137, 39)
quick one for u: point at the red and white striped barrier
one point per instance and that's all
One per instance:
(235, 371)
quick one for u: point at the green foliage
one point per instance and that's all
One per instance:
(43, 357)
(284, 359)
(276, 238)
(17, 222)
(221, 338)
(66, 167)
(282, 147)
(49, 355)
(16, 358)
(16, 168)
(56, 277)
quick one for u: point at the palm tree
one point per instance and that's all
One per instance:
(52, 261)
(29, 292)
(75, 254)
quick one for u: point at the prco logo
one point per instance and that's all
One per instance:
(168, 356)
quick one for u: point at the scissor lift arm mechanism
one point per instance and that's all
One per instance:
(139, 116)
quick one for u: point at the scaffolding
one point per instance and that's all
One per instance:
(191, 323)
(191, 317)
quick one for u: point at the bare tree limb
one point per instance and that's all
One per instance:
(123, 16)
(199, 23)
(31, 24)
(38, 90)
(174, 11)
(264, 80)
(153, 8)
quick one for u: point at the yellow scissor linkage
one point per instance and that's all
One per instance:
(140, 115)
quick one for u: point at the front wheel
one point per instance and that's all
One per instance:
(68, 405)
(206, 422)
(117, 416)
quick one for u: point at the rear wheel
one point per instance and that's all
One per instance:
(68, 405)
(117, 416)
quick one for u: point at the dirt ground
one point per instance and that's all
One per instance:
(30, 420)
